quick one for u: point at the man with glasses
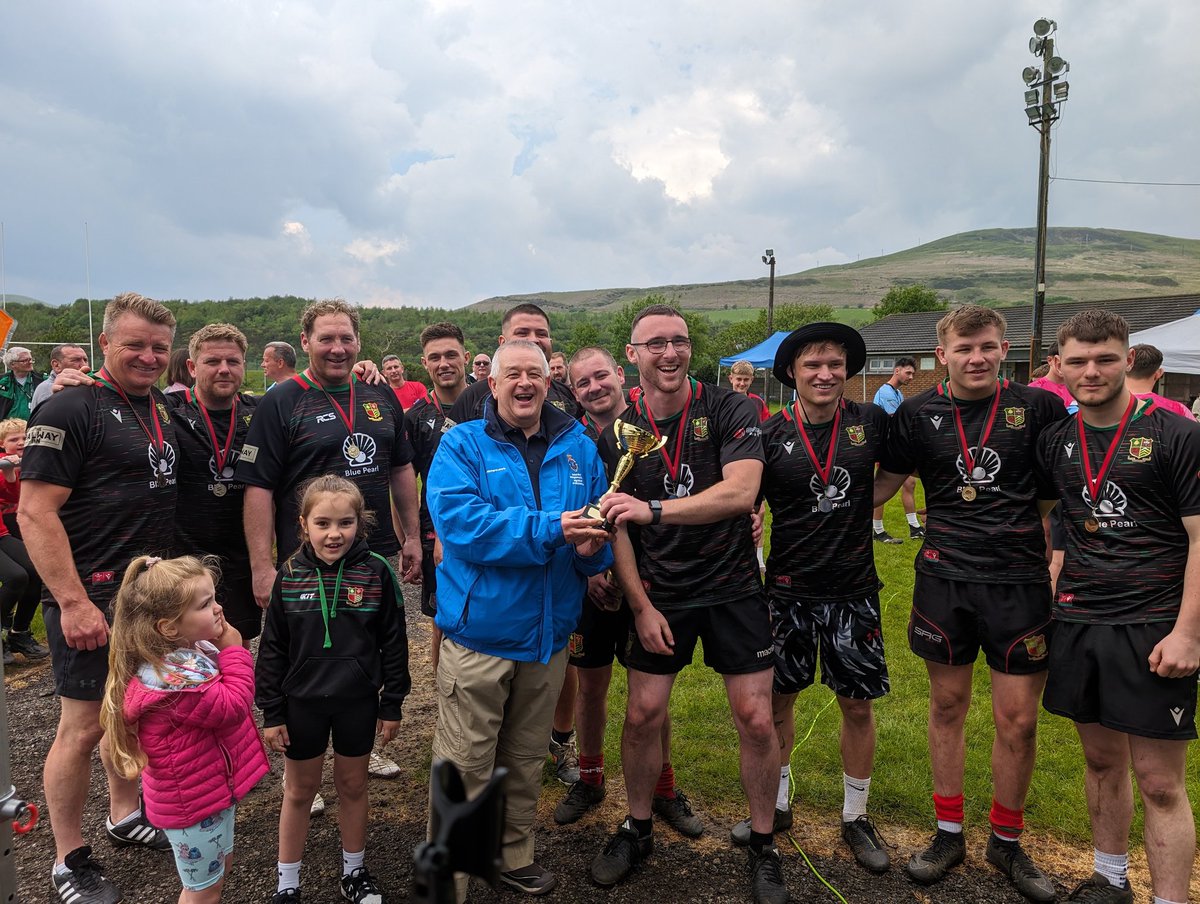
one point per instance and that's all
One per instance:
(480, 367)
(16, 386)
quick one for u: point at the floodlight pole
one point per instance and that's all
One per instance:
(1039, 291)
(769, 260)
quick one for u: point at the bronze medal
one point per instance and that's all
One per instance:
(219, 490)
(969, 493)
(1091, 525)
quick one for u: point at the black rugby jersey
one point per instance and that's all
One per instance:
(469, 405)
(997, 536)
(818, 555)
(210, 499)
(296, 434)
(426, 421)
(1129, 569)
(690, 566)
(123, 491)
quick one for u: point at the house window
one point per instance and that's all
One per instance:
(881, 365)
(927, 363)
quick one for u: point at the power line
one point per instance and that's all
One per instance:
(1121, 182)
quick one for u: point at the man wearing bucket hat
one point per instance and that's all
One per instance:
(821, 582)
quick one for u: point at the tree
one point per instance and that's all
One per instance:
(909, 300)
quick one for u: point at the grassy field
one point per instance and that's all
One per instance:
(705, 744)
(849, 316)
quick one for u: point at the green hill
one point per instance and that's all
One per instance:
(987, 266)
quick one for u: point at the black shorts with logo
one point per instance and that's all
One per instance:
(600, 636)
(78, 674)
(849, 635)
(351, 723)
(1101, 673)
(736, 636)
(952, 620)
(428, 577)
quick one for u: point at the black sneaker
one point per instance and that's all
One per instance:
(916, 533)
(869, 849)
(84, 881)
(1010, 858)
(138, 832)
(1098, 890)
(624, 851)
(740, 833)
(882, 536)
(9, 658)
(287, 896)
(946, 849)
(23, 642)
(766, 876)
(581, 798)
(534, 879)
(677, 813)
(358, 887)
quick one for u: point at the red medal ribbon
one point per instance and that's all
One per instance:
(220, 456)
(105, 379)
(808, 446)
(968, 461)
(347, 419)
(671, 461)
(1096, 484)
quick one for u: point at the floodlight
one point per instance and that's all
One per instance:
(1034, 113)
(1036, 45)
(1048, 111)
(1043, 27)
(1031, 74)
(1061, 89)
(1031, 97)
(1058, 65)
(765, 261)
(770, 252)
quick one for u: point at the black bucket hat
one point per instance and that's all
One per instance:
(848, 336)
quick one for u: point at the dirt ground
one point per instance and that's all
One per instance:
(709, 869)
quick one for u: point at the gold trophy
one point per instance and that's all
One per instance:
(635, 443)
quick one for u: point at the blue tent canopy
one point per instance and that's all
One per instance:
(761, 355)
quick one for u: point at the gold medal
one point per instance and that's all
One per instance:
(969, 493)
(1091, 525)
(353, 451)
(219, 490)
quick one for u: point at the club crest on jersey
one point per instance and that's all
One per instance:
(246, 419)
(359, 449)
(162, 413)
(354, 596)
(700, 427)
(678, 489)
(373, 412)
(856, 434)
(1140, 448)
(1014, 418)
(575, 645)
(1036, 647)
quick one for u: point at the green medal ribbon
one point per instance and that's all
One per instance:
(326, 612)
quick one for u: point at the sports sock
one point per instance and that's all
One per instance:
(642, 826)
(949, 811)
(1113, 867)
(785, 779)
(1007, 825)
(591, 770)
(912, 519)
(559, 737)
(1158, 900)
(128, 819)
(351, 862)
(289, 875)
(761, 840)
(666, 783)
(877, 526)
(854, 797)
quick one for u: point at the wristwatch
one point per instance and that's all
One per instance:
(655, 511)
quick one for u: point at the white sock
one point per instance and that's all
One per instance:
(912, 519)
(785, 777)
(1158, 900)
(289, 875)
(1113, 867)
(878, 526)
(955, 828)
(854, 797)
(351, 862)
(128, 819)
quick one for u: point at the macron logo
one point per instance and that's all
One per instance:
(1177, 714)
(788, 446)
(1069, 448)
(936, 420)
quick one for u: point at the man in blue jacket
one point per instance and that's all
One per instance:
(506, 494)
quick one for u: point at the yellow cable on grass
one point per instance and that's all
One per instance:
(836, 893)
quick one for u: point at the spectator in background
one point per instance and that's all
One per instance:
(481, 366)
(1053, 380)
(558, 367)
(179, 377)
(20, 586)
(278, 362)
(741, 375)
(16, 386)
(1144, 374)
(61, 356)
(408, 392)
(888, 397)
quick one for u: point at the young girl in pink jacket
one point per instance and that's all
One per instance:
(177, 711)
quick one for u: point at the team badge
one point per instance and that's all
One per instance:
(1036, 647)
(700, 428)
(856, 434)
(1014, 418)
(354, 596)
(575, 645)
(1140, 448)
(162, 413)
(372, 410)
(572, 463)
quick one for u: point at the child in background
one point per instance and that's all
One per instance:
(334, 638)
(20, 586)
(177, 709)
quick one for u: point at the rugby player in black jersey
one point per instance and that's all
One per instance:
(821, 582)
(1123, 665)
(686, 563)
(981, 579)
(444, 357)
(98, 488)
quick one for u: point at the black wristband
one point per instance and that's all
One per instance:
(655, 511)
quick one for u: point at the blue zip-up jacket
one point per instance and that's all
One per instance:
(509, 585)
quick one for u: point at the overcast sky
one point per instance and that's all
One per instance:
(436, 153)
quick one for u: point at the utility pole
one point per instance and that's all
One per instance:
(769, 260)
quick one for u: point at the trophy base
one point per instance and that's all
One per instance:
(592, 510)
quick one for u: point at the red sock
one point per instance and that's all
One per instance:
(666, 783)
(948, 809)
(1007, 824)
(591, 769)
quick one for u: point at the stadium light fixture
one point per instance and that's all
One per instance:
(1044, 27)
(1034, 113)
(1031, 74)
(1031, 97)
(1058, 66)
(1061, 89)
(1036, 45)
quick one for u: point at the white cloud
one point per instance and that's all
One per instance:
(376, 251)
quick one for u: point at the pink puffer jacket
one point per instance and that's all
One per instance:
(195, 726)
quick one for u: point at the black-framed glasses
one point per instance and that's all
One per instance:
(658, 345)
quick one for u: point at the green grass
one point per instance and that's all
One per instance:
(705, 743)
(848, 315)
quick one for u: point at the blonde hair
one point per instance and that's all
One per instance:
(11, 425)
(328, 306)
(139, 306)
(338, 486)
(216, 332)
(742, 368)
(152, 590)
